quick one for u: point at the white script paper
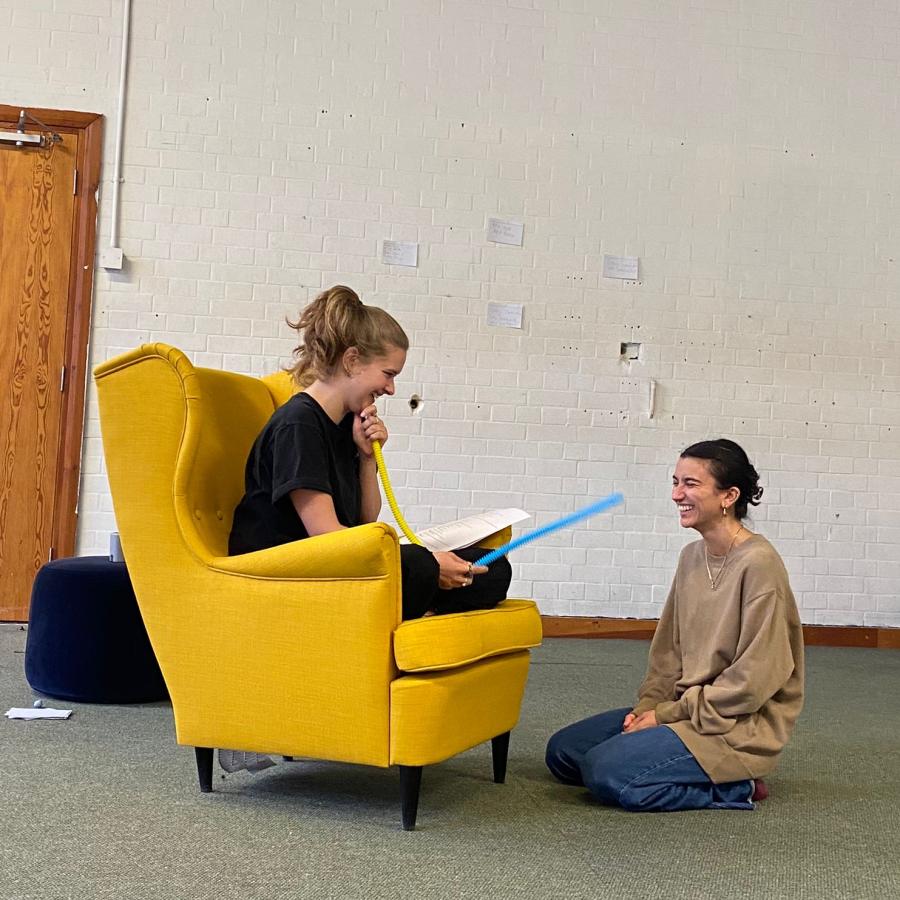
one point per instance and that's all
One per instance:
(29, 712)
(502, 232)
(400, 253)
(507, 314)
(620, 267)
(470, 530)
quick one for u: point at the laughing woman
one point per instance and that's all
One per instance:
(724, 682)
(312, 469)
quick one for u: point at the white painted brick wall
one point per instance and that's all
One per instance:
(747, 152)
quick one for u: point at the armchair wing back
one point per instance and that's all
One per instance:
(289, 650)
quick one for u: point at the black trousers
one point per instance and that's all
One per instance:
(421, 593)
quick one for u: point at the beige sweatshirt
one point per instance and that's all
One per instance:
(726, 666)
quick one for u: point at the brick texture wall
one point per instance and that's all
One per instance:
(746, 151)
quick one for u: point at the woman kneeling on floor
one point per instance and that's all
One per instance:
(724, 683)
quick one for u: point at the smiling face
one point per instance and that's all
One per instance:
(697, 496)
(372, 378)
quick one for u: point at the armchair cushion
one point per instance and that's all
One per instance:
(458, 639)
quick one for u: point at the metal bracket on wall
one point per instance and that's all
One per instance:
(21, 139)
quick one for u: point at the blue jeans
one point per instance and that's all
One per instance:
(646, 771)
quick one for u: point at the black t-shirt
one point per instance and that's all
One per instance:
(300, 447)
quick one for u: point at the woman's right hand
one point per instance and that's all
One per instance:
(367, 427)
(646, 719)
(455, 571)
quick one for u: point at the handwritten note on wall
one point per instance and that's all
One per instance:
(620, 267)
(400, 253)
(508, 315)
(502, 232)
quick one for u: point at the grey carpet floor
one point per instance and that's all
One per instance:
(105, 805)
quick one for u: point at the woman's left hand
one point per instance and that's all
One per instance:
(456, 572)
(367, 427)
(639, 723)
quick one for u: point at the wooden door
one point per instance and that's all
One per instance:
(41, 253)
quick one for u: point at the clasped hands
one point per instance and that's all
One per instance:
(639, 722)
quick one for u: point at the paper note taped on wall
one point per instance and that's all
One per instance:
(509, 315)
(502, 232)
(620, 267)
(400, 253)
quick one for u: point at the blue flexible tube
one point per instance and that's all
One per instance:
(593, 509)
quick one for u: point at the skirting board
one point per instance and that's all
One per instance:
(642, 629)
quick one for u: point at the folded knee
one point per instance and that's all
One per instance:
(559, 760)
(607, 773)
(553, 753)
(603, 784)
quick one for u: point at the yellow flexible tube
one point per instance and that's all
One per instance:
(389, 493)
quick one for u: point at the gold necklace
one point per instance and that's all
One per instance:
(713, 582)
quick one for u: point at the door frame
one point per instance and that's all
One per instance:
(89, 129)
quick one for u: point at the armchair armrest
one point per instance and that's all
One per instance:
(258, 646)
(352, 553)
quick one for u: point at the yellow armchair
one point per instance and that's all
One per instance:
(298, 650)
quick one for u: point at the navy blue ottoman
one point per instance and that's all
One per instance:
(86, 639)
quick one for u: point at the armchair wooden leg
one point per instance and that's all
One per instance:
(204, 767)
(410, 781)
(499, 754)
